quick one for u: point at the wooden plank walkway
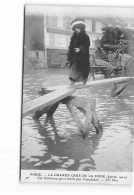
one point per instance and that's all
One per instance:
(92, 83)
(104, 82)
(46, 100)
(60, 92)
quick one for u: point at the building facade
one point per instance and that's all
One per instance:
(46, 39)
(57, 35)
(33, 41)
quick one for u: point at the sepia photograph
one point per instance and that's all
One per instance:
(77, 120)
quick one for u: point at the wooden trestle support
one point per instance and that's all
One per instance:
(83, 104)
(47, 104)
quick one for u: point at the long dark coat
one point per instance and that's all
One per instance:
(79, 62)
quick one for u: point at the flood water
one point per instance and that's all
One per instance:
(56, 144)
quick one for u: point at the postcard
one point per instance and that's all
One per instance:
(77, 117)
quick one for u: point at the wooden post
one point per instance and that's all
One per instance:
(95, 120)
(118, 88)
(82, 110)
(88, 120)
(87, 107)
(125, 67)
(39, 113)
(92, 70)
(123, 71)
(81, 127)
(114, 87)
(96, 123)
(49, 111)
(47, 100)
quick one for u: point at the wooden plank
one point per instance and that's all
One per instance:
(103, 82)
(101, 66)
(46, 100)
(92, 83)
(60, 92)
(107, 67)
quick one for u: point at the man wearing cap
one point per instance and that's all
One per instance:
(78, 52)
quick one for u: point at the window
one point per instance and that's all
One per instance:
(51, 21)
(67, 22)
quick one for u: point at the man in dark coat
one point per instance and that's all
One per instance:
(78, 52)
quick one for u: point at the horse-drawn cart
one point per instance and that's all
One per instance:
(109, 70)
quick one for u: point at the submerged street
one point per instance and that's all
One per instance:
(58, 145)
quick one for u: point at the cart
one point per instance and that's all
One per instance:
(99, 66)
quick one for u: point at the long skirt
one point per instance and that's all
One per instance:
(78, 75)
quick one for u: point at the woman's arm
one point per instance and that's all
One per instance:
(70, 53)
(85, 44)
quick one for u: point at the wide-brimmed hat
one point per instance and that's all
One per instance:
(78, 23)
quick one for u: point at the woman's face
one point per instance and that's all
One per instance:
(77, 30)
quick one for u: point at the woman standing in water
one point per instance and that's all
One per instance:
(78, 52)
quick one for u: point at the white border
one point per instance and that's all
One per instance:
(11, 23)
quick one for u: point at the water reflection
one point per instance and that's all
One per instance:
(55, 143)
(72, 153)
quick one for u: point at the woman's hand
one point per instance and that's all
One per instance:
(67, 63)
(76, 50)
